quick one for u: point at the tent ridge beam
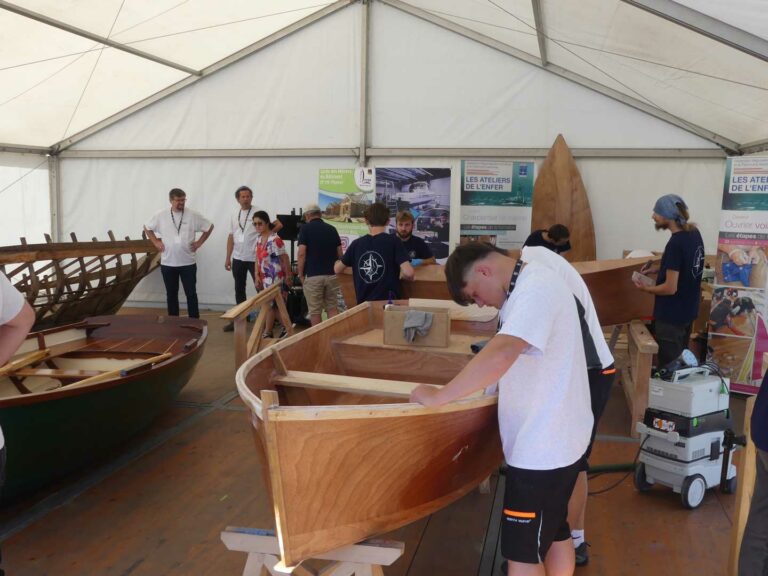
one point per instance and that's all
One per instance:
(95, 37)
(538, 20)
(753, 147)
(21, 149)
(668, 117)
(237, 56)
(214, 153)
(542, 152)
(705, 25)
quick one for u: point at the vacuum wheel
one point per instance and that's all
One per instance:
(641, 483)
(730, 486)
(693, 490)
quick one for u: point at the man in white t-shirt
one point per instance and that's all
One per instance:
(16, 320)
(545, 420)
(601, 373)
(241, 245)
(177, 228)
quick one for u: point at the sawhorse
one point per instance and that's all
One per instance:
(363, 559)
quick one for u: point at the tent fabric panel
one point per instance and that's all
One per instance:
(748, 15)
(682, 72)
(437, 89)
(196, 33)
(139, 187)
(518, 31)
(255, 103)
(24, 198)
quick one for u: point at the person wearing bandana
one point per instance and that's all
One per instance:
(173, 232)
(678, 281)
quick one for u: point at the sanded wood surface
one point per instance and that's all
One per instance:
(559, 197)
(342, 471)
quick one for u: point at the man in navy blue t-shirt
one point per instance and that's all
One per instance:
(753, 557)
(417, 249)
(377, 259)
(556, 238)
(319, 248)
(678, 284)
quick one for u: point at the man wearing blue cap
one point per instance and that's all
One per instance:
(678, 284)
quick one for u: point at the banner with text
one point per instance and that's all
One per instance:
(496, 199)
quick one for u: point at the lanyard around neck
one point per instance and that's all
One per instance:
(242, 226)
(178, 228)
(512, 282)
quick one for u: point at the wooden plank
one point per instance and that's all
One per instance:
(252, 302)
(351, 384)
(58, 251)
(472, 313)
(30, 358)
(744, 491)
(53, 373)
(119, 372)
(645, 343)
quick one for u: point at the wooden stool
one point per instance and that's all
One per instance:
(363, 559)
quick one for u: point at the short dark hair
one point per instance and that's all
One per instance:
(237, 192)
(404, 216)
(176, 193)
(377, 214)
(458, 262)
(558, 232)
(264, 217)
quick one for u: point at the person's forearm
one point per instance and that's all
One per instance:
(152, 237)
(205, 235)
(664, 289)
(339, 267)
(485, 369)
(286, 264)
(230, 246)
(277, 226)
(300, 265)
(14, 333)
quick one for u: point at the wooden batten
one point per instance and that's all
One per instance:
(744, 491)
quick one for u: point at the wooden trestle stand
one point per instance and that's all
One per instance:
(246, 346)
(363, 559)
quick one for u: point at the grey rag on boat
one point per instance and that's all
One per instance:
(416, 322)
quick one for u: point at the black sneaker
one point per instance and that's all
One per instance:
(582, 554)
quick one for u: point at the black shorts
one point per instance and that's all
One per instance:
(535, 511)
(600, 384)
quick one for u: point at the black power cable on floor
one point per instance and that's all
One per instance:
(620, 480)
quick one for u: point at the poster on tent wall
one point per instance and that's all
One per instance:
(496, 200)
(738, 333)
(426, 194)
(343, 196)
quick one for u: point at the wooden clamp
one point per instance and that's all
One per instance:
(262, 546)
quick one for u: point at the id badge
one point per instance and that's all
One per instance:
(177, 240)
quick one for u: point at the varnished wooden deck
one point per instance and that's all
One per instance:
(159, 505)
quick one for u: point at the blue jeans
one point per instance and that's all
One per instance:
(188, 277)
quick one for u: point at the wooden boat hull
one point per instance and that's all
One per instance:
(51, 434)
(67, 282)
(345, 467)
(616, 298)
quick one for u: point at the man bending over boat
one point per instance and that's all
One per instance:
(545, 419)
(16, 320)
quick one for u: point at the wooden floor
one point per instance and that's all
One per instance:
(158, 506)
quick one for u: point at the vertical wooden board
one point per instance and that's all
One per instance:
(746, 486)
(559, 197)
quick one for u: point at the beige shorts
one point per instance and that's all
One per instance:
(321, 293)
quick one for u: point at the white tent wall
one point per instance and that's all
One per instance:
(24, 198)
(121, 195)
(301, 92)
(432, 87)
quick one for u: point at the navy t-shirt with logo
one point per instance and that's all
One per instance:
(685, 253)
(536, 238)
(415, 247)
(322, 242)
(375, 262)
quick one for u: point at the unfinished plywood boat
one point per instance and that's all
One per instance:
(347, 457)
(68, 281)
(72, 394)
(616, 298)
(559, 197)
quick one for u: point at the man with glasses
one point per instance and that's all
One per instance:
(173, 234)
(545, 418)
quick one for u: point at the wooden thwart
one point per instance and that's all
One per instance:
(363, 559)
(24, 361)
(351, 384)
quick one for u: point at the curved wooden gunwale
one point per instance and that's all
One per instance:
(341, 473)
(49, 434)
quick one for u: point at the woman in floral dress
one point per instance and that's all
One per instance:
(272, 264)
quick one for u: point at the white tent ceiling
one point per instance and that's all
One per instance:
(69, 65)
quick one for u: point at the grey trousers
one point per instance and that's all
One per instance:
(753, 556)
